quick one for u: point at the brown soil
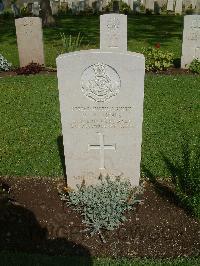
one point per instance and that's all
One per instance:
(38, 221)
(52, 71)
(48, 71)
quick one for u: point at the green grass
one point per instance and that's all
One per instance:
(30, 123)
(13, 259)
(142, 31)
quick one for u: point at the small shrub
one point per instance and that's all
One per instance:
(103, 205)
(157, 60)
(32, 68)
(186, 177)
(4, 64)
(7, 14)
(148, 11)
(189, 10)
(195, 66)
(123, 7)
(70, 43)
(25, 12)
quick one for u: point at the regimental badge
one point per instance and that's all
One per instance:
(100, 82)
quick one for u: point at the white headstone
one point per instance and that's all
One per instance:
(194, 2)
(101, 103)
(54, 7)
(113, 32)
(130, 3)
(36, 9)
(198, 6)
(179, 7)
(29, 40)
(191, 40)
(149, 5)
(170, 5)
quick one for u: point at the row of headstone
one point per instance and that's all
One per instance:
(101, 97)
(177, 5)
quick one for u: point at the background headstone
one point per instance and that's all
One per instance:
(30, 40)
(36, 9)
(113, 32)
(194, 2)
(187, 4)
(170, 5)
(198, 7)
(191, 39)
(101, 102)
(149, 5)
(179, 7)
(54, 7)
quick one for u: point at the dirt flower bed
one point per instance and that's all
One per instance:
(36, 220)
(52, 71)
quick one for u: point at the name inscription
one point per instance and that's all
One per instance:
(102, 117)
(113, 25)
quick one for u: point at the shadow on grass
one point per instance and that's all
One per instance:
(183, 188)
(150, 29)
(20, 232)
(62, 156)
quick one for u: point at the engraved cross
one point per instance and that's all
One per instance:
(101, 147)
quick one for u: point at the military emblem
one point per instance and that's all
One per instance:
(100, 82)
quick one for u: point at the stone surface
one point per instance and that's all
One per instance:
(30, 40)
(113, 32)
(36, 9)
(194, 2)
(149, 5)
(179, 7)
(54, 7)
(170, 5)
(191, 40)
(101, 103)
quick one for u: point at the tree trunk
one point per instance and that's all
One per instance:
(46, 13)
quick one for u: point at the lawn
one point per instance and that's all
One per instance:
(21, 259)
(30, 142)
(143, 31)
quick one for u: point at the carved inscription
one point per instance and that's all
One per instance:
(100, 82)
(113, 25)
(194, 34)
(196, 23)
(103, 117)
